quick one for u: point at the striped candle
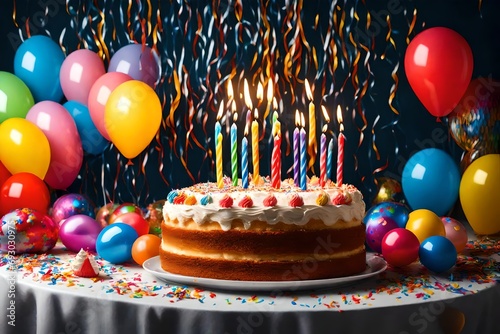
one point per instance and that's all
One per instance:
(322, 160)
(329, 160)
(255, 150)
(234, 152)
(244, 162)
(340, 146)
(303, 163)
(218, 159)
(296, 149)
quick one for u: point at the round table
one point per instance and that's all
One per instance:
(40, 294)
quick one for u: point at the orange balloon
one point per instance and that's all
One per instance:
(145, 247)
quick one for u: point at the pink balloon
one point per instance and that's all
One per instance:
(66, 152)
(79, 231)
(455, 232)
(98, 96)
(79, 71)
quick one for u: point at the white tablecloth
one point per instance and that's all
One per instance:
(127, 299)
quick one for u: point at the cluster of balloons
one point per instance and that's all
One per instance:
(56, 108)
(403, 236)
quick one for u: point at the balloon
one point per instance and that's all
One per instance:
(430, 180)
(395, 211)
(24, 190)
(15, 97)
(468, 157)
(375, 231)
(455, 232)
(114, 243)
(132, 117)
(92, 141)
(104, 212)
(79, 232)
(438, 64)
(25, 148)
(138, 61)
(122, 209)
(38, 62)
(425, 223)
(28, 231)
(66, 153)
(480, 196)
(79, 71)
(4, 174)
(98, 96)
(135, 220)
(145, 247)
(154, 217)
(475, 122)
(71, 204)
(388, 190)
(400, 247)
(437, 254)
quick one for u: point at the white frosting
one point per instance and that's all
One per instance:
(281, 212)
(80, 259)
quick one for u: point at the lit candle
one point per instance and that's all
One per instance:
(322, 160)
(303, 167)
(234, 151)
(255, 148)
(329, 160)
(296, 150)
(312, 147)
(340, 154)
(218, 159)
(244, 159)
(276, 155)
(217, 123)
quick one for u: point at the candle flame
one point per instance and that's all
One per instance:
(230, 92)
(270, 90)
(256, 114)
(297, 117)
(246, 130)
(341, 127)
(325, 114)
(302, 120)
(325, 128)
(275, 104)
(246, 93)
(339, 115)
(260, 91)
(308, 91)
(235, 117)
(221, 109)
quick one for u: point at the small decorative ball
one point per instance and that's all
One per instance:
(375, 231)
(455, 232)
(102, 216)
(425, 223)
(27, 231)
(400, 247)
(79, 232)
(396, 211)
(388, 190)
(114, 243)
(437, 253)
(145, 247)
(71, 204)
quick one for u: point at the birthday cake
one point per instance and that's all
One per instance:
(264, 234)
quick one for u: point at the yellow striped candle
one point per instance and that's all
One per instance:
(218, 160)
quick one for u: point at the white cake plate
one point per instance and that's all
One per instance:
(374, 266)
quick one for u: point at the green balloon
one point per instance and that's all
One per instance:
(15, 97)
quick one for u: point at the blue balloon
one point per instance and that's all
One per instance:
(431, 180)
(92, 140)
(437, 253)
(114, 243)
(398, 212)
(37, 62)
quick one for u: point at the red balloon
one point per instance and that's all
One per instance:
(134, 219)
(4, 174)
(24, 190)
(438, 65)
(400, 247)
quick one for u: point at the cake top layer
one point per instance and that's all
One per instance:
(205, 202)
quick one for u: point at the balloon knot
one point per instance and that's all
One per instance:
(438, 120)
(130, 163)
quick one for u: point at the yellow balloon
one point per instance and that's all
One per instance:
(425, 223)
(480, 194)
(132, 117)
(24, 147)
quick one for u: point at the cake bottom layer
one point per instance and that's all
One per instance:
(249, 270)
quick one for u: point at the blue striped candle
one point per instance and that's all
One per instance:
(244, 162)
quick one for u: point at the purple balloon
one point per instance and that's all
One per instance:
(79, 231)
(376, 228)
(138, 61)
(71, 204)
